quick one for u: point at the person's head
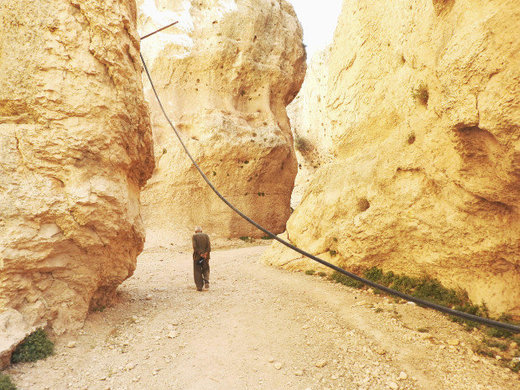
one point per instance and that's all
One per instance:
(198, 229)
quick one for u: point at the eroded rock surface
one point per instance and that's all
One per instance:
(75, 149)
(423, 112)
(310, 124)
(225, 73)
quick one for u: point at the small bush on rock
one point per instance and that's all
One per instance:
(36, 346)
(302, 144)
(5, 383)
(347, 281)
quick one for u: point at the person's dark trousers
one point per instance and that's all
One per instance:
(201, 274)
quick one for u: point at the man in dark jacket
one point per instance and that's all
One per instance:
(201, 251)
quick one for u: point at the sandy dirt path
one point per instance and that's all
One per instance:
(258, 328)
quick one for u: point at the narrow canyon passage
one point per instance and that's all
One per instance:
(258, 328)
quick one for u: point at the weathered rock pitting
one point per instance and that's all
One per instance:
(225, 73)
(76, 147)
(422, 107)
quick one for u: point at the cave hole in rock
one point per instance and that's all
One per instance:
(363, 204)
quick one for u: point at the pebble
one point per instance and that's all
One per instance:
(403, 375)
(381, 351)
(453, 342)
(298, 373)
(278, 365)
(271, 360)
(172, 334)
(393, 386)
(321, 363)
(148, 297)
(71, 344)
(475, 359)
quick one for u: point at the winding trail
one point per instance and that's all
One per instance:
(258, 328)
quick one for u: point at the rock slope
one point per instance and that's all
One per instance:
(225, 73)
(422, 107)
(76, 147)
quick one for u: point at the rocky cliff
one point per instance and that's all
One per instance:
(310, 124)
(225, 73)
(422, 109)
(76, 147)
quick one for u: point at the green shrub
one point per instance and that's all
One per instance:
(433, 290)
(36, 346)
(430, 289)
(100, 309)
(495, 344)
(310, 272)
(6, 383)
(502, 333)
(483, 350)
(347, 281)
(374, 274)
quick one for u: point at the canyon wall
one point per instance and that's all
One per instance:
(76, 146)
(310, 124)
(422, 109)
(225, 74)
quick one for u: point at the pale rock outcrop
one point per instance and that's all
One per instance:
(423, 109)
(310, 124)
(13, 330)
(225, 74)
(75, 148)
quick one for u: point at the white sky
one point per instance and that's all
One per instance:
(318, 19)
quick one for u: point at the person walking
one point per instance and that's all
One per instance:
(201, 251)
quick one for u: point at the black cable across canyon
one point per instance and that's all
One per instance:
(410, 298)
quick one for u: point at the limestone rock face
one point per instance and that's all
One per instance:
(310, 124)
(225, 73)
(75, 148)
(13, 330)
(423, 111)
